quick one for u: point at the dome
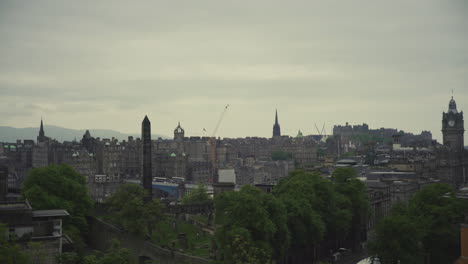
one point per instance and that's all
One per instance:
(299, 134)
(452, 106)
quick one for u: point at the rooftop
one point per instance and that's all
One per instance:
(50, 213)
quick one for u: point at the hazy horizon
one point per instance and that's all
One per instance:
(107, 64)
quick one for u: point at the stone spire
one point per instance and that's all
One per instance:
(276, 127)
(147, 166)
(41, 136)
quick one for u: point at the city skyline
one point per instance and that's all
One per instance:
(102, 65)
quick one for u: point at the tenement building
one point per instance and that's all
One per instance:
(106, 163)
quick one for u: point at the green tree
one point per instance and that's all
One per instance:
(129, 210)
(254, 218)
(10, 252)
(397, 241)
(197, 196)
(430, 233)
(114, 255)
(60, 187)
(68, 258)
(436, 209)
(355, 191)
(281, 155)
(315, 211)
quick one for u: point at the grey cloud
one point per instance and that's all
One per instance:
(317, 61)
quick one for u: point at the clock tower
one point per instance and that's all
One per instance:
(453, 128)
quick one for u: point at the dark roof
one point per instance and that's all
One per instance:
(50, 213)
(376, 185)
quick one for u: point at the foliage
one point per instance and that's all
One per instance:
(244, 250)
(355, 192)
(197, 196)
(10, 252)
(128, 209)
(281, 155)
(431, 216)
(68, 258)
(115, 255)
(348, 154)
(37, 252)
(60, 187)
(397, 239)
(198, 242)
(251, 218)
(315, 211)
(438, 212)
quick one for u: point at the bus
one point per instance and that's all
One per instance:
(159, 179)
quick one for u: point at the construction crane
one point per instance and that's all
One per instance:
(321, 132)
(212, 143)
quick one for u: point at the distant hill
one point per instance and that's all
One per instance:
(11, 134)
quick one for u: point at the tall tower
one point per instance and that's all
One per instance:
(179, 133)
(276, 127)
(147, 168)
(41, 137)
(453, 128)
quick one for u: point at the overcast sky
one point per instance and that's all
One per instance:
(105, 64)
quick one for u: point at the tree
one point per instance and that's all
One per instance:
(431, 231)
(128, 209)
(355, 192)
(68, 258)
(397, 241)
(251, 219)
(114, 255)
(197, 196)
(315, 211)
(60, 187)
(281, 155)
(436, 209)
(10, 252)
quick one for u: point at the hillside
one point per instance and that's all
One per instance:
(11, 134)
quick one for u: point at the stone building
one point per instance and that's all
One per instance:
(451, 157)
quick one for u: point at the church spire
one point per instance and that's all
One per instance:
(41, 136)
(276, 117)
(276, 126)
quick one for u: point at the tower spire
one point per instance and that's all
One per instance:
(276, 117)
(41, 136)
(276, 126)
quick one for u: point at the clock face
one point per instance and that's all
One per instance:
(451, 123)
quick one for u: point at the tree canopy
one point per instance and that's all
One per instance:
(197, 196)
(128, 209)
(355, 191)
(281, 155)
(251, 224)
(10, 252)
(314, 213)
(60, 187)
(432, 217)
